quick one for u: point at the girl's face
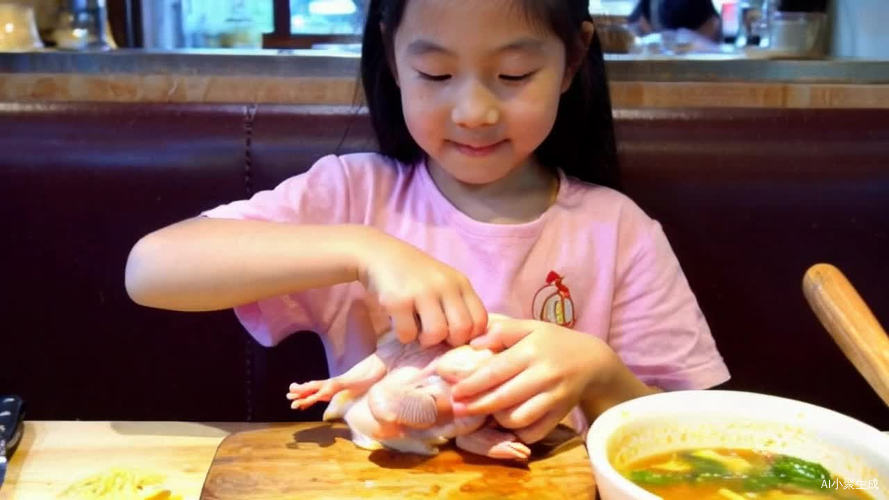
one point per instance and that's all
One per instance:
(480, 86)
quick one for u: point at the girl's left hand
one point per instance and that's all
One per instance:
(542, 372)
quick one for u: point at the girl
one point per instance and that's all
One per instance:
(489, 193)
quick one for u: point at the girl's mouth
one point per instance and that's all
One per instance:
(477, 151)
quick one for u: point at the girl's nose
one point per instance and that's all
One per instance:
(475, 107)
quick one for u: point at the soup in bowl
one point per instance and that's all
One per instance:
(735, 445)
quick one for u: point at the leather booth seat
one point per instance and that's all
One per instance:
(749, 198)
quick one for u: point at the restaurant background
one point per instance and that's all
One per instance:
(852, 28)
(756, 167)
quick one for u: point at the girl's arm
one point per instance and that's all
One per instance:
(207, 264)
(615, 385)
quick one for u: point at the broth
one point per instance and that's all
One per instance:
(739, 474)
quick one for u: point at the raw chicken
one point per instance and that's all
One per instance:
(400, 398)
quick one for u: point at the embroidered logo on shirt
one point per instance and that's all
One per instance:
(553, 302)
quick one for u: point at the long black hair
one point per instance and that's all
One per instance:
(581, 141)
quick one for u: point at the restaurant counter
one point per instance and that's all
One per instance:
(327, 77)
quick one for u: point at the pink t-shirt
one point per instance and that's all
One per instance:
(592, 261)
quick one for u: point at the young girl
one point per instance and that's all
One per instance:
(488, 194)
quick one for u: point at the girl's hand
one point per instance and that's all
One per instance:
(427, 300)
(544, 371)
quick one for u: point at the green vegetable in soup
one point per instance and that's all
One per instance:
(761, 482)
(732, 474)
(731, 463)
(800, 472)
(702, 469)
(705, 466)
(656, 478)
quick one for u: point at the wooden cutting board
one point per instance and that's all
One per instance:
(317, 460)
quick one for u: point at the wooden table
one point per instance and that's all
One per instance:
(55, 454)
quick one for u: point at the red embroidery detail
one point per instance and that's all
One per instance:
(553, 303)
(553, 278)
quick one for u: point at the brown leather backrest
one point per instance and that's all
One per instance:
(748, 198)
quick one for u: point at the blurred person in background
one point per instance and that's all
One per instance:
(651, 16)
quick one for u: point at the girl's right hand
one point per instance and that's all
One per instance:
(427, 300)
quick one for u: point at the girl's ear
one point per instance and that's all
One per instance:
(390, 55)
(587, 30)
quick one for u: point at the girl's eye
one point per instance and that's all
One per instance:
(517, 78)
(434, 78)
(508, 78)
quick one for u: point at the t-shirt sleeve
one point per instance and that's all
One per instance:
(657, 327)
(321, 195)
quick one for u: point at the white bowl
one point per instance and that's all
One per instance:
(680, 420)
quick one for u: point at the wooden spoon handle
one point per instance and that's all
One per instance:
(851, 324)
